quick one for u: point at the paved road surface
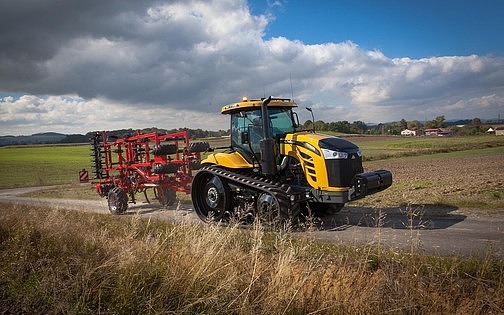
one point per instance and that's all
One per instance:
(447, 231)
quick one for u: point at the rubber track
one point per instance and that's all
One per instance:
(254, 182)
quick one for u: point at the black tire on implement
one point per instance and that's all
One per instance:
(194, 165)
(164, 149)
(169, 168)
(165, 196)
(117, 201)
(195, 147)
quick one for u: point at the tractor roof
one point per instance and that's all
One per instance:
(247, 104)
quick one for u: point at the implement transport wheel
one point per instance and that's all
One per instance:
(170, 168)
(194, 165)
(198, 147)
(165, 196)
(211, 197)
(164, 149)
(117, 201)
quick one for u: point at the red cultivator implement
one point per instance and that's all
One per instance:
(163, 162)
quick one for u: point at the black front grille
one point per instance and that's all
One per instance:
(341, 172)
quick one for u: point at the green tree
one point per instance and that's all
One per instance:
(414, 125)
(308, 124)
(343, 126)
(359, 127)
(320, 125)
(476, 122)
(404, 124)
(440, 121)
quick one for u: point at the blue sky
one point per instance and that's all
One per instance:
(414, 29)
(75, 66)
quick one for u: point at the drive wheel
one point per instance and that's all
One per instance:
(165, 196)
(117, 201)
(211, 197)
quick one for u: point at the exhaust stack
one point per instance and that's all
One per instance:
(267, 144)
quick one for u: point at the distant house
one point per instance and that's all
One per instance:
(499, 131)
(407, 132)
(438, 132)
(432, 132)
(445, 132)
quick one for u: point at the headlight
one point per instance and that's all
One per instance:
(330, 154)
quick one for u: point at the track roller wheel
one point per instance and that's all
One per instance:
(268, 208)
(165, 196)
(117, 201)
(211, 197)
(273, 212)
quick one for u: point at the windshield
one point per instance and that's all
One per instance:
(246, 127)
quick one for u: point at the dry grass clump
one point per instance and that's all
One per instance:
(54, 261)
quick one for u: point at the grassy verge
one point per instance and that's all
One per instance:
(98, 263)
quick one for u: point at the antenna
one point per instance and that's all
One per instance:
(292, 91)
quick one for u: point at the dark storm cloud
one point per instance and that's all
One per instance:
(173, 60)
(34, 31)
(132, 51)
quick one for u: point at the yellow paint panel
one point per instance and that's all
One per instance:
(230, 160)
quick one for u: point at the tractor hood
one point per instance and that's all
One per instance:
(316, 142)
(338, 144)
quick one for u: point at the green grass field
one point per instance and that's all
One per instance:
(24, 166)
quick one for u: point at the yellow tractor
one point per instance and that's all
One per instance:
(272, 172)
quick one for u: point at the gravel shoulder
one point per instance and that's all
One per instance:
(422, 229)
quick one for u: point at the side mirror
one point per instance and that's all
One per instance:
(296, 120)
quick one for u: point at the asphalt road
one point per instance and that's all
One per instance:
(417, 228)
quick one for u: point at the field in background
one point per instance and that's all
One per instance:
(25, 166)
(452, 171)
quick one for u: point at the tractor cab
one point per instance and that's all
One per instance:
(247, 128)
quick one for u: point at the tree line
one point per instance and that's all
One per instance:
(459, 127)
(191, 133)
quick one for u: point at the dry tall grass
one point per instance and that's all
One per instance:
(54, 261)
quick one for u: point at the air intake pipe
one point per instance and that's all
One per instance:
(267, 144)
